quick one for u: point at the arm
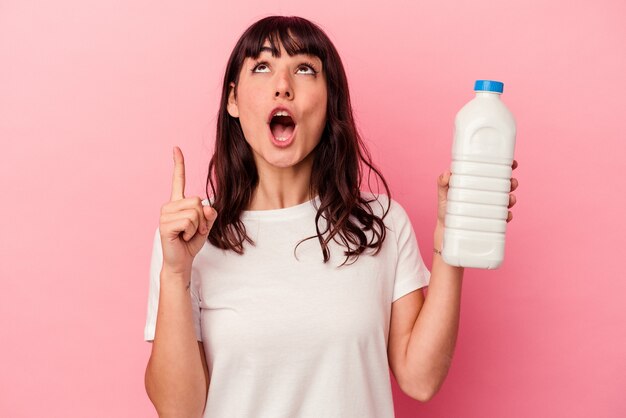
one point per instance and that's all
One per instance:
(424, 332)
(176, 376)
(433, 336)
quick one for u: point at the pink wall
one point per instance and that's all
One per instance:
(94, 96)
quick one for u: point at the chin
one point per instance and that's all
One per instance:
(283, 162)
(284, 158)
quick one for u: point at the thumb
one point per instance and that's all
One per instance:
(443, 182)
(209, 214)
(444, 179)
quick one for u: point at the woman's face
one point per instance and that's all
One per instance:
(295, 83)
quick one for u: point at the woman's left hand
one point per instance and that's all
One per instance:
(442, 184)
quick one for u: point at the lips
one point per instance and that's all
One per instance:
(282, 126)
(283, 142)
(280, 108)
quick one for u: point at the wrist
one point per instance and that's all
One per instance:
(438, 236)
(168, 274)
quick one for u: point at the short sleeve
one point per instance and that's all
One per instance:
(156, 262)
(411, 272)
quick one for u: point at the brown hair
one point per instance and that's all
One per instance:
(336, 172)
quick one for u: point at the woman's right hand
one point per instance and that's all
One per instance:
(184, 224)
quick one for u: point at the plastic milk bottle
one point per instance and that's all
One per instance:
(480, 181)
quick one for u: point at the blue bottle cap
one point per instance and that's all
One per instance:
(489, 85)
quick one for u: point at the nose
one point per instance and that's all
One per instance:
(283, 86)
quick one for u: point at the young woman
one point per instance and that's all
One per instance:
(290, 292)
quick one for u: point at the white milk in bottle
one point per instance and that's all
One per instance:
(480, 182)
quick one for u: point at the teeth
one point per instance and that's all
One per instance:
(281, 139)
(281, 113)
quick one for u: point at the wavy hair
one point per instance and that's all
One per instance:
(339, 158)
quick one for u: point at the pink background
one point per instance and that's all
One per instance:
(94, 96)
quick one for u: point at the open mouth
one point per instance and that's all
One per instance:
(282, 127)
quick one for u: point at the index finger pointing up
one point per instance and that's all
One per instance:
(178, 181)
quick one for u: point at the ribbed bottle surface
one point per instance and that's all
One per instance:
(478, 194)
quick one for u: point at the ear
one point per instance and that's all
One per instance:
(233, 109)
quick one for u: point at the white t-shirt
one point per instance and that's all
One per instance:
(297, 338)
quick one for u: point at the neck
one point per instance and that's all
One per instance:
(282, 187)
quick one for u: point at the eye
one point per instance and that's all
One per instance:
(260, 65)
(312, 70)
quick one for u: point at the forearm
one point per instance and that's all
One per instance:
(433, 337)
(175, 379)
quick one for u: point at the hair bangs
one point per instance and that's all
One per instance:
(296, 36)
